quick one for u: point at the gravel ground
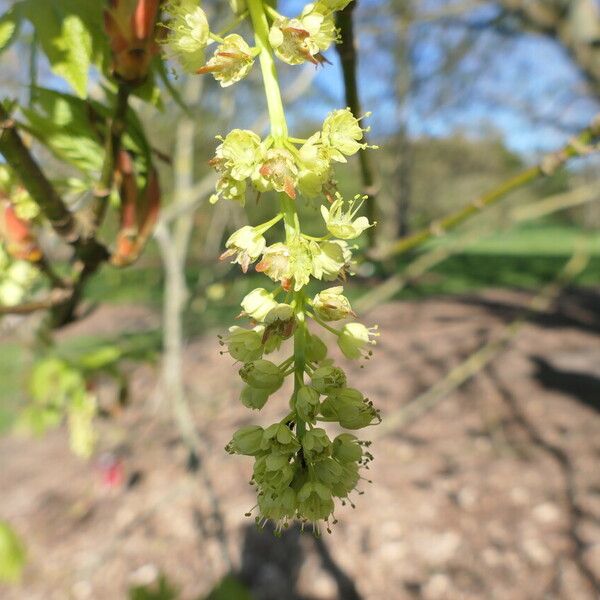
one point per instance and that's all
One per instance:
(493, 494)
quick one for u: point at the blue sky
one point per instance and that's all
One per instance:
(521, 73)
(496, 88)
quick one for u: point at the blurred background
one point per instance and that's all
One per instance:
(486, 480)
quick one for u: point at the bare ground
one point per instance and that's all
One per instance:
(493, 494)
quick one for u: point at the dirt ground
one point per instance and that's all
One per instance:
(494, 494)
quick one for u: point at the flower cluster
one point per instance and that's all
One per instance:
(294, 40)
(304, 167)
(300, 468)
(301, 257)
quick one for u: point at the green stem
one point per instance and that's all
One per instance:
(279, 133)
(269, 72)
(324, 325)
(300, 338)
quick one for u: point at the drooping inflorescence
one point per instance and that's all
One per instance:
(299, 471)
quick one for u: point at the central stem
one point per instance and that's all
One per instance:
(279, 132)
(269, 71)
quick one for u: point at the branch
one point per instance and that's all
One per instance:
(111, 152)
(578, 146)
(55, 298)
(348, 58)
(426, 261)
(64, 223)
(479, 359)
(41, 190)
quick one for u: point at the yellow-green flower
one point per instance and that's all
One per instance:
(355, 339)
(277, 171)
(332, 305)
(342, 134)
(246, 245)
(231, 62)
(235, 161)
(341, 223)
(262, 375)
(315, 166)
(331, 260)
(263, 308)
(304, 38)
(246, 440)
(188, 33)
(315, 502)
(244, 344)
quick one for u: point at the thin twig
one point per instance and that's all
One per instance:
(55, 298)
(426, 261)
(349, 61)
(479, 359)
(112, 147)
(578, 146)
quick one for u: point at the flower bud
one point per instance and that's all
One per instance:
(349, 408)
(263, 375)
(316, 350)
(232, 61)
(244, 344)
(314, 501)
(263, 308)
(355, 339)
(254, 398)
(246, 441)
(346, 448)
(246, 245)
(273, 472)
(307, 404)
(316, 444)
(278, 438)
(332, 305)
(327, 379)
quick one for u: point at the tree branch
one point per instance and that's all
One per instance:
(111, 151)
(348, 58)
(578, 146)
(479, 359)
(64, 223)
(55, 298)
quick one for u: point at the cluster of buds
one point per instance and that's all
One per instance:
(294, 167)
(299, 470)
(300, 466)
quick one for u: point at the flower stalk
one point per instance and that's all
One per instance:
(296, 472)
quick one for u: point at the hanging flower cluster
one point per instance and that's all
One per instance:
(299, 469)
(306, 167)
